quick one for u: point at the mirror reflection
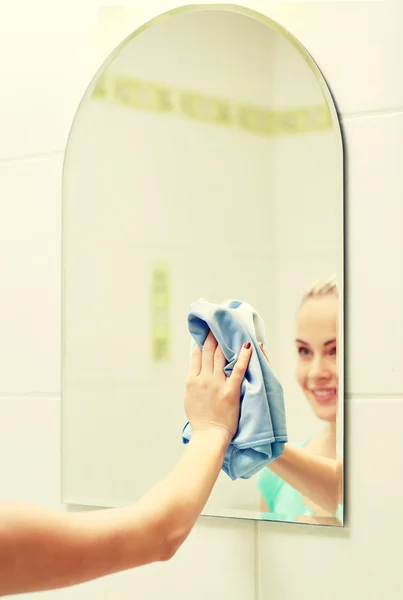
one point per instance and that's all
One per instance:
(282, 484)
(205, 162)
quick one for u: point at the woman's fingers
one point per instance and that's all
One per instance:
(219, 363)
(195, 362)
(241, 365)
(208, 351)
(211, 400)
(211, 359)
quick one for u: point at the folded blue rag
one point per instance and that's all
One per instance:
(262, 429)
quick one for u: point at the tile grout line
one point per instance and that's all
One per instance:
(12, 160)
(370, 397)
(386, 112)
(29, 396)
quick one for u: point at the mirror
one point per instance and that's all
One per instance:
(205, 161)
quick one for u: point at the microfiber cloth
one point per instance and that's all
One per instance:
(262, 428)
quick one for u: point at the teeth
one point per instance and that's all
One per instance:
(321, 393)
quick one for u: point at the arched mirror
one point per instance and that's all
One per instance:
(205, 160)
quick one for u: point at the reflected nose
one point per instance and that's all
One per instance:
(319, 369)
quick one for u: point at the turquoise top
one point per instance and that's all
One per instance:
(284, 502)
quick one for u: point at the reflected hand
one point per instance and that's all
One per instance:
(212, 400)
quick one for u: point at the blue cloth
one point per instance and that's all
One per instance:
(262, 429)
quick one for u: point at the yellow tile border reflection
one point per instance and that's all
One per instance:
(140, 94)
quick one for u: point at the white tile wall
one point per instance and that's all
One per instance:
(30, 275)
(29, 449)
(374, 212)
(357, 46)
(49, 57)
(216, 562)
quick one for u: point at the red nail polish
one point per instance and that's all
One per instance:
(247, 345)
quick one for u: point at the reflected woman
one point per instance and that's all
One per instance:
(289, 485)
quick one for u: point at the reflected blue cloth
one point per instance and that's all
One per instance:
(262, 429)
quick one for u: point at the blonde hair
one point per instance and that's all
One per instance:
(321, 288)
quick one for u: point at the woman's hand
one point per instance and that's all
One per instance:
(212, 400)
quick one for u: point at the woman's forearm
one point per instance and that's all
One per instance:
(42, 549)
(317, 478)
(187, 488)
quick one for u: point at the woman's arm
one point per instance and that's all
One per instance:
(42, 549)
(319, 479)
(263, 505)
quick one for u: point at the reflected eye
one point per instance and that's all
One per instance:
(333, 351)
(302, 351)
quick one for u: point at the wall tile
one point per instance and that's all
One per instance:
(30, 276)
(94, 590)
(357, 46)
(47, 62)
(374, 290)
(217, 561)
(30, 450)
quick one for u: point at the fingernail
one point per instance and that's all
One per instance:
(247, 345)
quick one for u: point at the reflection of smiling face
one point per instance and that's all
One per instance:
(317, 354)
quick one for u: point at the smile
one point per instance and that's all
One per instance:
(324, 395)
